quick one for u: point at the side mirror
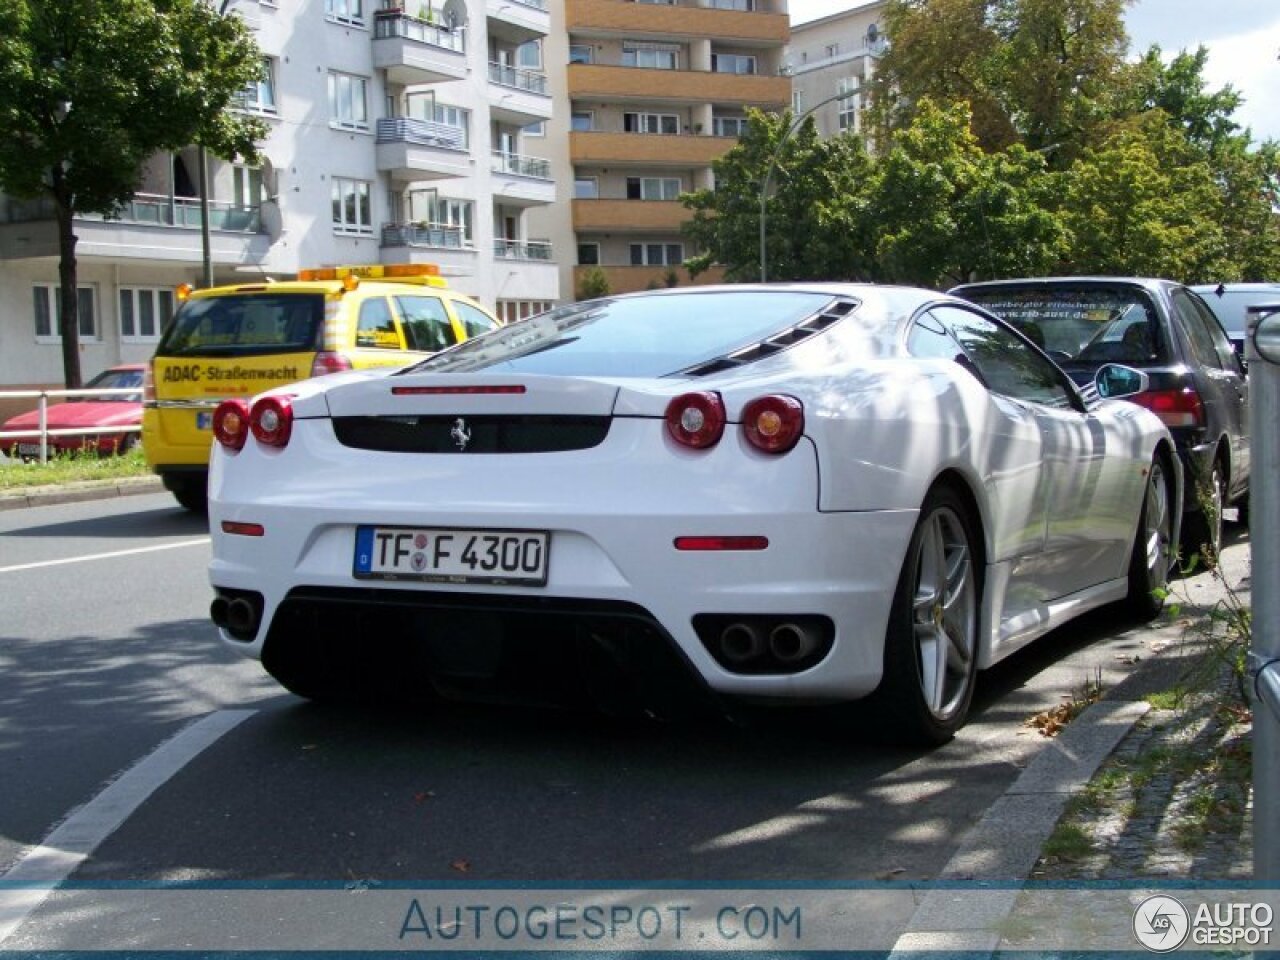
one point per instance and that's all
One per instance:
(1114, 381)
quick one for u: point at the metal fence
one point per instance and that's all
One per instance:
(42, 433)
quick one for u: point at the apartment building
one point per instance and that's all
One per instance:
(652, 92)
(832, 57)
(407, 131)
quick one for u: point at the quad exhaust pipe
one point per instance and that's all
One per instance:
(790, 642)
(745, 644)
(741, 643)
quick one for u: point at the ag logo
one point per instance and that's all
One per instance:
(1161, 923)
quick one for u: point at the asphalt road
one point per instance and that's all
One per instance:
(106, 651)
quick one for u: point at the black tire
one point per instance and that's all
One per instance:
(935, 617)
(1202, 528)
(126, 443)
(1152, 556)
(192, 496)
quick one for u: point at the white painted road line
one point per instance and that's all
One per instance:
(104, 556)
(25, 885)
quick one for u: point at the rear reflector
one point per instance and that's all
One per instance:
(468, 390)
(243, 529)
(722, 543)
(1176, 408)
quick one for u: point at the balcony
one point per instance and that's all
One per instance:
(416, 51)
(644, 84)
(539, 252)
(411, 150)
(522, 181)
(632, 279)
(592, 148)
(151, 227)
(613, 18)
(628, 216)
(518, 97)
(518, 21)
(439, 243)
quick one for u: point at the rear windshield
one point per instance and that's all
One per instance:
(647, 336)
(241, 324)
(1081, 328)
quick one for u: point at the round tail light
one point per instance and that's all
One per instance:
(231, 423)
(696, 419)
(272, 421)
(774, 423)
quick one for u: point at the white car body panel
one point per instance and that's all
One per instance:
(1057, 494)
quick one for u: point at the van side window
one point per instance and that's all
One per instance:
(426, 323)
(376, 328)
(474, 321)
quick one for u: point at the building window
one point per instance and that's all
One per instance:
(345, 11)
(529, 55)
(652, 56)
(653, 188)
(47, 302)
(579, 53)
(538, 129)
(650, 123)
(732, 63)
(657, 254)
(588, 254)
(746, 6)
(729, 126)
(260, 97)
(586, 188)
(246, 186)
(348, 102)
(144, 311)
(850, 108)
(581, 120)
(833, 49)
(352, 212)
(509, 311)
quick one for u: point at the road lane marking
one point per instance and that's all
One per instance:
(104, 556)
(26, 885)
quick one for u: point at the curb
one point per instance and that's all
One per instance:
(1006, 842)
(79, 492)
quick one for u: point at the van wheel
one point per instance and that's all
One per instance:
(193, 496)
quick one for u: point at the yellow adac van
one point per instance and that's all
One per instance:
(236, 341)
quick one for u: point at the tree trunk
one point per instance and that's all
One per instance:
(68, 314)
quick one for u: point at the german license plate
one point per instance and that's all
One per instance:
(31, 449)
(204, 421)
(449, 555)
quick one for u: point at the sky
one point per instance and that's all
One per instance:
(1243, 37)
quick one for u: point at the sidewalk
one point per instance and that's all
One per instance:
(77, 492)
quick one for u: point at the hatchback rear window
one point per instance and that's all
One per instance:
(1080, 327)
(245, 324)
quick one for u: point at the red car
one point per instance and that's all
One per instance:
(114, 410)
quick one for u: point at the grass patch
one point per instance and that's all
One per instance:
(1164, 700)
(1069, 841)
(69, 468)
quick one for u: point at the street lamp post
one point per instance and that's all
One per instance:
(202, 177)
(768, 174)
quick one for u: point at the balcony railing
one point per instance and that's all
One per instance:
(519, 250)
(527, 80)
(521, 166)
(395, 23)
(535, 4)
(148, 209)
(425, 132)
(441, 235)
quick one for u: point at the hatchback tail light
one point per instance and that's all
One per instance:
(1177, 408)
(774, 423)
(149, 383)
(231, 423)
(696, 419)
(271, 421)
(327, 361)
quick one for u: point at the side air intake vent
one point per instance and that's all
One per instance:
(803, 330)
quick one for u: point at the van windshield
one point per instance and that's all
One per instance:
(240, 324)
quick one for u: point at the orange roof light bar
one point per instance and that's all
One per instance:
(373, 271)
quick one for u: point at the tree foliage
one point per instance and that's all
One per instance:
(94, 88)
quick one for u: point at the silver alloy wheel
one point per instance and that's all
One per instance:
(1157, 527)
(944, 613)
(1213, 519)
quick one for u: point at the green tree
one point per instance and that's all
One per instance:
(815, 208)
(946, 212)
(595, 283)
(93, 88)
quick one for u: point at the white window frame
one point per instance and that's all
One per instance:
(651, 122)
(849, 115)
(348, 101)
(528, 55)
(664, 258)
(349, 12)
(576, 115)
(361, 191)
(583, 263)
(656, 188)
(52, 306)
(651, 56)
(593, 188)
(576, 51)
(160, 301)
(260, 97)
(729, 126)
(738, 60)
